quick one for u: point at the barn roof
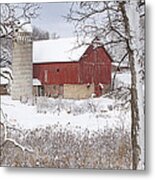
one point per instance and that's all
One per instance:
(58, 50)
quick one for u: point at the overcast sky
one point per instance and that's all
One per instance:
(51, 19)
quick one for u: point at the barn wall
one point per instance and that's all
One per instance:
(57, 73)
(53, 90)
(95, 66)
(78, 91)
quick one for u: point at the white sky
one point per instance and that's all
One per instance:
(51, 19)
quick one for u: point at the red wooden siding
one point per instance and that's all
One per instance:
(57, 73)
(95, 66)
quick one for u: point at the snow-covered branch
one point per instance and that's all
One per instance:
(4, 139)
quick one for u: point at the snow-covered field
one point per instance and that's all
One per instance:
(93, 114)
(60, 133)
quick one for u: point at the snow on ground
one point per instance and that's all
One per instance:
(122, 79)
(26, 116)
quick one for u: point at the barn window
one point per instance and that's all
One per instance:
(58, 69)
(46, 75)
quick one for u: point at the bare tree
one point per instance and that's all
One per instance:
(54, 36)
(112, 22)
(12, 13)
(10, 16)
(39, 34)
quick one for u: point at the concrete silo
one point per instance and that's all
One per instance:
(22, 62)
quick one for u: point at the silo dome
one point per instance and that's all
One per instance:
(23, 26)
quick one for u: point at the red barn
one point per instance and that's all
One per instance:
(66, 70)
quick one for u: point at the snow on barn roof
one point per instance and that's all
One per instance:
(36, 82)
(58, 50)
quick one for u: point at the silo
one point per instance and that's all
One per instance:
(22, 64)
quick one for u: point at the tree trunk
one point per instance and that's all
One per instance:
(134, 115)
(134, 97)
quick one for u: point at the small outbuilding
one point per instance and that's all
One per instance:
(37, 87)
